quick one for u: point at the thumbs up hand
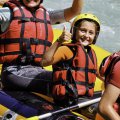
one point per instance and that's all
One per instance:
(65, 36)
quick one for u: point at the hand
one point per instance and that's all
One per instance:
(65, 36)
(2, 18)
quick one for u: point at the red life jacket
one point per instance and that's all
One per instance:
(28, 36)
(75, 77)
(107, 65)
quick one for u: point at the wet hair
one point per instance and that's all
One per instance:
(41, 1)
(78, 23)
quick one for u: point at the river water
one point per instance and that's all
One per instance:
(108, 11)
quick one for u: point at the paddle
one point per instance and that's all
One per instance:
(79, 105)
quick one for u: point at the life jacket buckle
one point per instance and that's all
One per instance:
(63, 82)
(27, 59)
(23, 59)
(34, 41)
(26, 19)
(94, 71)
(33, 19)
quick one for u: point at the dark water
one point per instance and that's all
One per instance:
(108, 11)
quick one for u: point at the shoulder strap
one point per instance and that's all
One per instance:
(110, 67)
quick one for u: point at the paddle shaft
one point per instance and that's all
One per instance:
(80, 105)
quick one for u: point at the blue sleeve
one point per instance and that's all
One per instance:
(56, 16)
(5, 16)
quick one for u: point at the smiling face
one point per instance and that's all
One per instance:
(86, 32)
(31, 3)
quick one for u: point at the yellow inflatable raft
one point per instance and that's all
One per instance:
(100, 52)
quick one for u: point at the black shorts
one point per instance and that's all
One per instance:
(27, 78)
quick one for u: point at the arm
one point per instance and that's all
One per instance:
(5, 16)
(74, 10)
(60, 16)
(99, 76)
(48, 58)
(108, 99)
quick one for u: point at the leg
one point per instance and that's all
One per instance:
(29, 78)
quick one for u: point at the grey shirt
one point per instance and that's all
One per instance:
(56, 16)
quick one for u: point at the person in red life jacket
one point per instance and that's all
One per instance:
(75, 63)
(25, 34)
(109, 106)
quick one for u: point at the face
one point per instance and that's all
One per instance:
(86, 32)
(31, 3)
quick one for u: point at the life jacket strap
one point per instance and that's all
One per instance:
(33, 41)
(78, 69)
(31, 19)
